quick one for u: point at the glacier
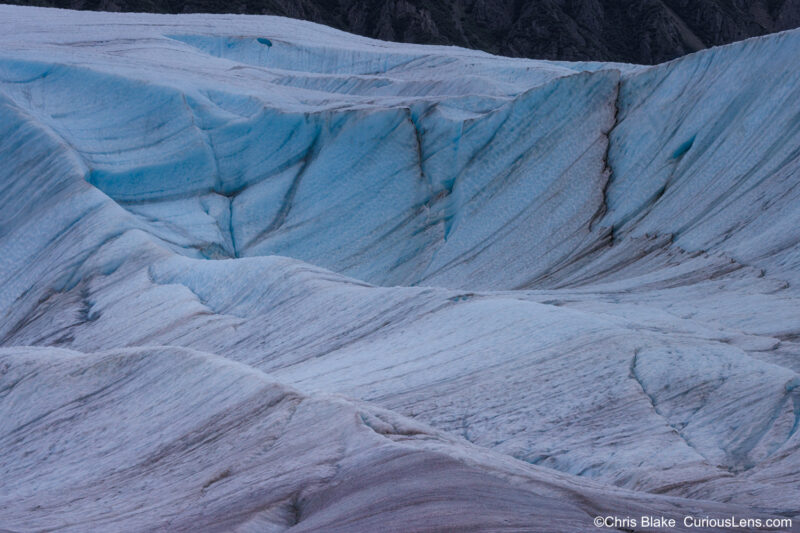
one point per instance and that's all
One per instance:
(257, 274)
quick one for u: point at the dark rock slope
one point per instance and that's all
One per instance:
(636, 31)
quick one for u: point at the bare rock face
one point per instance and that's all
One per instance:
(644, 32)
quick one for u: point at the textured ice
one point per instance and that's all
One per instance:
(258, 275)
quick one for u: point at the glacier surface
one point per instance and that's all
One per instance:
(261, 275)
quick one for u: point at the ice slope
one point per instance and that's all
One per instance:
(591, 268)
(722, 160)
(178, 440)
(405, 197)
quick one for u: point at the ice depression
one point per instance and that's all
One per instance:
(261, 275)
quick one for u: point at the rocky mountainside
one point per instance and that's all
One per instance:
(643, 31)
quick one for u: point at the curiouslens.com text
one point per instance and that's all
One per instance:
(707, 522)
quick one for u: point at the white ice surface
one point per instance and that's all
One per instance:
(587, 268)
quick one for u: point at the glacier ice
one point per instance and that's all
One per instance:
(258, 275)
